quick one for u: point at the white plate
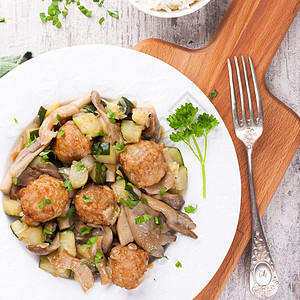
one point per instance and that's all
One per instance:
(66, 74)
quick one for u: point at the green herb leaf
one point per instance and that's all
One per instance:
(43, 17)
(85, 11)
(98, 257)
(178, 265)
(30, 142)
(45, 157)
(142, 219)
(119, 147)
(120, 177)
(213, 94)
(117, 209)
(15, 180)
(190, 209)
(2, 20)
(90, 242)
(58, 117)
(91, 108)
(16, 121)
(67, 184)
(153, 251)
(84, 263)
(191, 42)
(162, 191)
(129, 188)
(68, 214)
(86, 198)
(144, 201)
(101, 3)
(44, 202)
(158, 221)
(166, 257)
(84, 231)
(113, 14)
(111, 115)
(61, 132)
(79, 166)
(130, 203)
(47, 231)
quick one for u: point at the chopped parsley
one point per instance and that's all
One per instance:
(152, 252)
(166, 257)
(84, 231)
(130, 203)
(98, 257)
(71, 210)
(190, 209)
(113, 14)
(47, 231)
(91, 108)
(16, 121)
(15, 180)
(44, 156)
(101, 3)
(178, 265)
(85, 11)
(191, 42)
(158, 222)
(144, 201)
(101, 20)
(2, 20)
(43, 17)
(67, 184)
(119, 177)
(162, 191)
(84, 263)
(187, 128)
(30, 142)
(79, 166)
(90, 242)
(44, 202)
(61, 132)
(213, 94)
(86, 199)
(119, 147)
(58, 117)
(143, 219)
(111, 115)
(117, 209)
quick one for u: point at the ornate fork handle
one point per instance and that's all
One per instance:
(263, 276)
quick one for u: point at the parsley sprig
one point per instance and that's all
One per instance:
(119, 147)
(187, 128)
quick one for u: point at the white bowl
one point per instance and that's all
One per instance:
(174, 14)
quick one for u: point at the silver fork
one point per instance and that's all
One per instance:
(263, 276)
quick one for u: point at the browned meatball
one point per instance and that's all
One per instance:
(143, 163)
(72, 145)
(128, 266)
(44, 199)
(96, 204)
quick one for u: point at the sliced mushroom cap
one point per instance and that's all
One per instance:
(174, 200)
(28, 175)
(148, 235)
(111, 129)
(21, 162)
(50, 169)
(176, 220)
(104, 270)
(123, 229)
(45, 248)
(154, 130)
(107, 237)
(83, 273)
(46, 132)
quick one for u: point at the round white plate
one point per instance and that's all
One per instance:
(65, 74)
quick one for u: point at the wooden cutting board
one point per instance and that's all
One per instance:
(254, 28)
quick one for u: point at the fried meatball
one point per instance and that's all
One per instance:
(128, 265)
(72, 145)
(33, 198)
(143, 163)
(101, 209)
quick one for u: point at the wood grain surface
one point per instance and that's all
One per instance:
(23, 30)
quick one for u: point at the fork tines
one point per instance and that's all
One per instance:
(244, 120)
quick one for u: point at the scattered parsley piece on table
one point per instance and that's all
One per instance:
(85, 11)
(16, 121)
(113, 14)
(213, 94)
(44, 202)
(187, 128)
(190, 209)
(2, 20)
(178, 265)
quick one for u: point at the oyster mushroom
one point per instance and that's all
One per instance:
(176, 220)
(46, 133)
(45, 248)
(123, 229)
(83, 273)
(50, 169)
(107, 236)
(154, 129)
(148, 235)
(174, 200)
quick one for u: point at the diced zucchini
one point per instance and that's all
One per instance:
(31, 133)
(51, 108)
(125, 105)
(100, 148)
(47, 266)
(88, 124)
(65, 172)
(78, 178)
(34, 223)
(18, 228)
(12, 207)
(67, 242)
(90, 108)
(119, 188)
(83, 252)
(88, 162)
(181, 179)
(33, 235)
(41, 115)
(35, 161)
(175, 155)
(107, 159)
(131, 132)
(98, 173)
(49, 231)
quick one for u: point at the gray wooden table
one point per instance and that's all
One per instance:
(24, 30)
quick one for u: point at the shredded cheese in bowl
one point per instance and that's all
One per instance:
(166, 5)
